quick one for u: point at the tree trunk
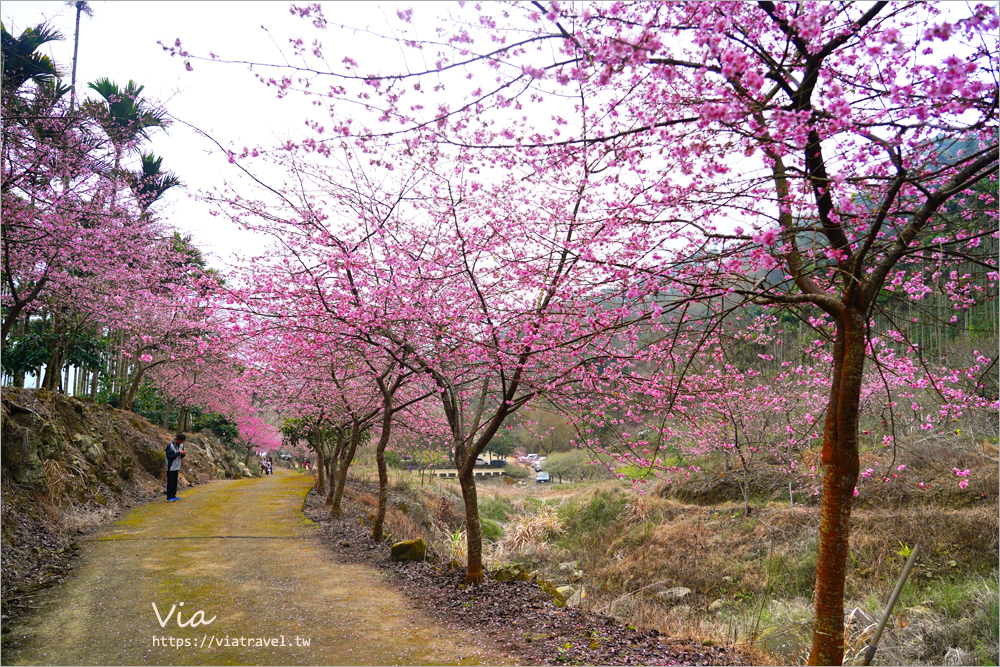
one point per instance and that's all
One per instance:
(321, 467)
(383, 474)
(746, 490)
(76, 50)
(129, 396)
(166, 415)
(474, 530)
(347, 456)
(840, 476)
(333, 466)
(48, 380)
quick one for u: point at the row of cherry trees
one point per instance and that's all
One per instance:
(601, 208)
(594, 204)
(96, 286)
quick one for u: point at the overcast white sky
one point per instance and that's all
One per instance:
(120, 42)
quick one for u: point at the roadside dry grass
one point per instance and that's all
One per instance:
(751, 578)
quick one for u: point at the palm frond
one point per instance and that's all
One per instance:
(21, 62)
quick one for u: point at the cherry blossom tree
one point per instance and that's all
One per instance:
(802, 156)
(257, 435)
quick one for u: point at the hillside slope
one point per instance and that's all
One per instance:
(69, 466)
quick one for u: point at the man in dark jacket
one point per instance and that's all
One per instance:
(174, 453)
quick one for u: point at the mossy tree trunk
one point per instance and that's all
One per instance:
(346, 458)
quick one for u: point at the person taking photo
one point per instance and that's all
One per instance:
(174, 454)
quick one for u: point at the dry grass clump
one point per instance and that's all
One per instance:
(60, 475)
(639, 511)
(402, 527)
(953, 541)
(444, 510)
(82, 519)
(364, 500)
(529, 531)
(397, 526)
(715, 553)
(762, 570)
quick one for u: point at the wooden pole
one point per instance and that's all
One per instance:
(870, 653)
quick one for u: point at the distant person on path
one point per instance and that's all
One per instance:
(174, 454)
(270, 466)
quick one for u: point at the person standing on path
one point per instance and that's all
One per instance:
(174, 454)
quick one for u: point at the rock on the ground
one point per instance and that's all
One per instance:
(92, 450)
(511, 572)
(408, 550)
(577, 597)
(557, 597)
(672, 595)
(716, 606)
(570, 567)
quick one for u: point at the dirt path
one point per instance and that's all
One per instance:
(242, 552)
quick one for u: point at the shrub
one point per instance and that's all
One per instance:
(393, 460)
(516, 472)
(575, 466)
(633, 472)
(496, 509)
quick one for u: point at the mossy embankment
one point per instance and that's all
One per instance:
(69, 466)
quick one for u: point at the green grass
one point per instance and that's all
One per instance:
(491, 529)
(535, 503)
(792, 576)
(496, 509)
(950, 598)
(586, 517)
(636, 473)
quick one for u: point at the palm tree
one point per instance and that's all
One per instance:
(82, 7)
(123, 115)
(20, 60)
(151, 181)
